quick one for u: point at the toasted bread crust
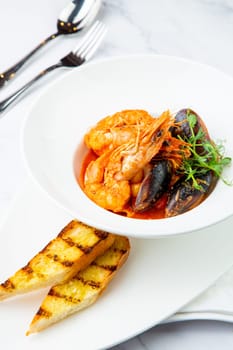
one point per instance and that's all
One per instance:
(81, 290)
(75, 247)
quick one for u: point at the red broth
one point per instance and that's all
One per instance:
(156, 212)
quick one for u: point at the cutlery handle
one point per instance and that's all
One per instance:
(12, 98)
(10, 73)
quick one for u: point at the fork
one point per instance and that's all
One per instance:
(82, 53)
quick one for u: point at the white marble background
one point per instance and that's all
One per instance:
(201, 30)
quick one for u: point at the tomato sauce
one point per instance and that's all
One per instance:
(156, 212)
(80, 174)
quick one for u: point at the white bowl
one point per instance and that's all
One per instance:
(55, 127)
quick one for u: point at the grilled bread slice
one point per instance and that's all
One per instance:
(75, 247)
(83, 289)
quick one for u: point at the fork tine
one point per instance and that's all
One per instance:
(75, 58)
(91, 48)
(86, 37)
(91, 41)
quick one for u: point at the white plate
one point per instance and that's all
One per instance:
(160, 277)
(201, 315)
(60, 118)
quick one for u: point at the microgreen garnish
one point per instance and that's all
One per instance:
(205, 155)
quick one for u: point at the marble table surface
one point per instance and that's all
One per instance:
(200, 30)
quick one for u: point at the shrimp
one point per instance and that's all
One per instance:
(116, 129)
(107, 179)
(102, 188)
(130, 158)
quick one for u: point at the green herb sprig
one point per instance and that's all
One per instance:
(210, 158)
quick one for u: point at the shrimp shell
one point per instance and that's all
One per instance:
(114, 130)
(133, 157)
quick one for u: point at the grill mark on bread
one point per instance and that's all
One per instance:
(108, 267)
(68, 298)
(8, 284)
(72, 225)
(111, 268)
(74, 248)
(44, 313)
(90, 283)
(83, 289)
(84, 249)
(27, 268)
(101, 234)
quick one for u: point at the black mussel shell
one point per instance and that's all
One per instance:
(154, 185)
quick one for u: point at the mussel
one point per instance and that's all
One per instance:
(192, 187)
(184, 196)
(183, 129)
(154, 185)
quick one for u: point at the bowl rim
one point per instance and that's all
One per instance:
(129, 226)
